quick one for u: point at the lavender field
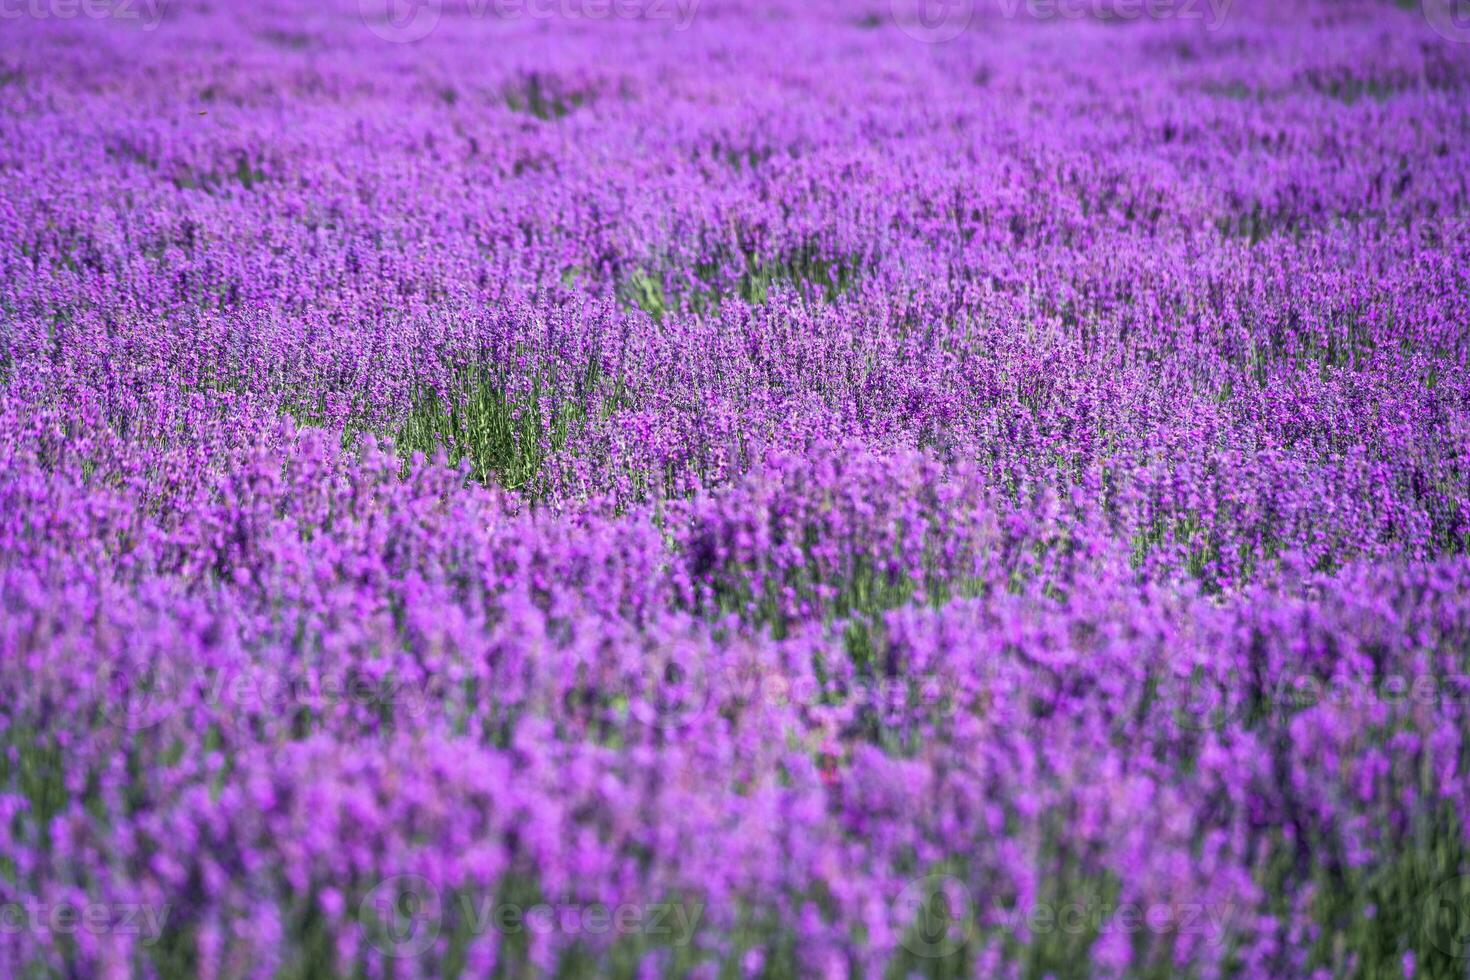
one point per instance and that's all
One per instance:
(734, 488)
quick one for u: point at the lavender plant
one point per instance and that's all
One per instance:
(747, 488)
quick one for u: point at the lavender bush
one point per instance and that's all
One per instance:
(734, 488)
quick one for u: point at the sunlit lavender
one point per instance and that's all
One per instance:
(735, 488)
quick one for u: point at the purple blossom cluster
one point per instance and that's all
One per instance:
(780, 489)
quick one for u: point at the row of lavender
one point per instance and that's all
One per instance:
(752, 493)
